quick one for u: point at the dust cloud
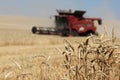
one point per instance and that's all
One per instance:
(109, 20)
(22, 22)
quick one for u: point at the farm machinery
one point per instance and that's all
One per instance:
(70, 23)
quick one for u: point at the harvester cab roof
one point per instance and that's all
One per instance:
(77, 13)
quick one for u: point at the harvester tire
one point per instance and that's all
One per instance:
(89, 33)
(74, 33)
(65, 32)
(34, 30)
(96, 33)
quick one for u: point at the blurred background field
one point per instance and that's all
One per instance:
(16, 36)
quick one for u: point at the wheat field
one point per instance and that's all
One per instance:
(27, 56)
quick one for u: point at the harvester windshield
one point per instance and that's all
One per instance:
(61, 21)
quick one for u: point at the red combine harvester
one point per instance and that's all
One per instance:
(70, 23)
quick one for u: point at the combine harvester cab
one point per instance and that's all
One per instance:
(70, 23)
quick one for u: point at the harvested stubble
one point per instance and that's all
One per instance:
(94, 59)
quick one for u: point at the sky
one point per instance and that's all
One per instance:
(107, 9)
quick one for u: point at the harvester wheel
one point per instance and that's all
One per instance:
(65, 32)
(96, 33)
(34, 30)
(89, 33)
(74, 33)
